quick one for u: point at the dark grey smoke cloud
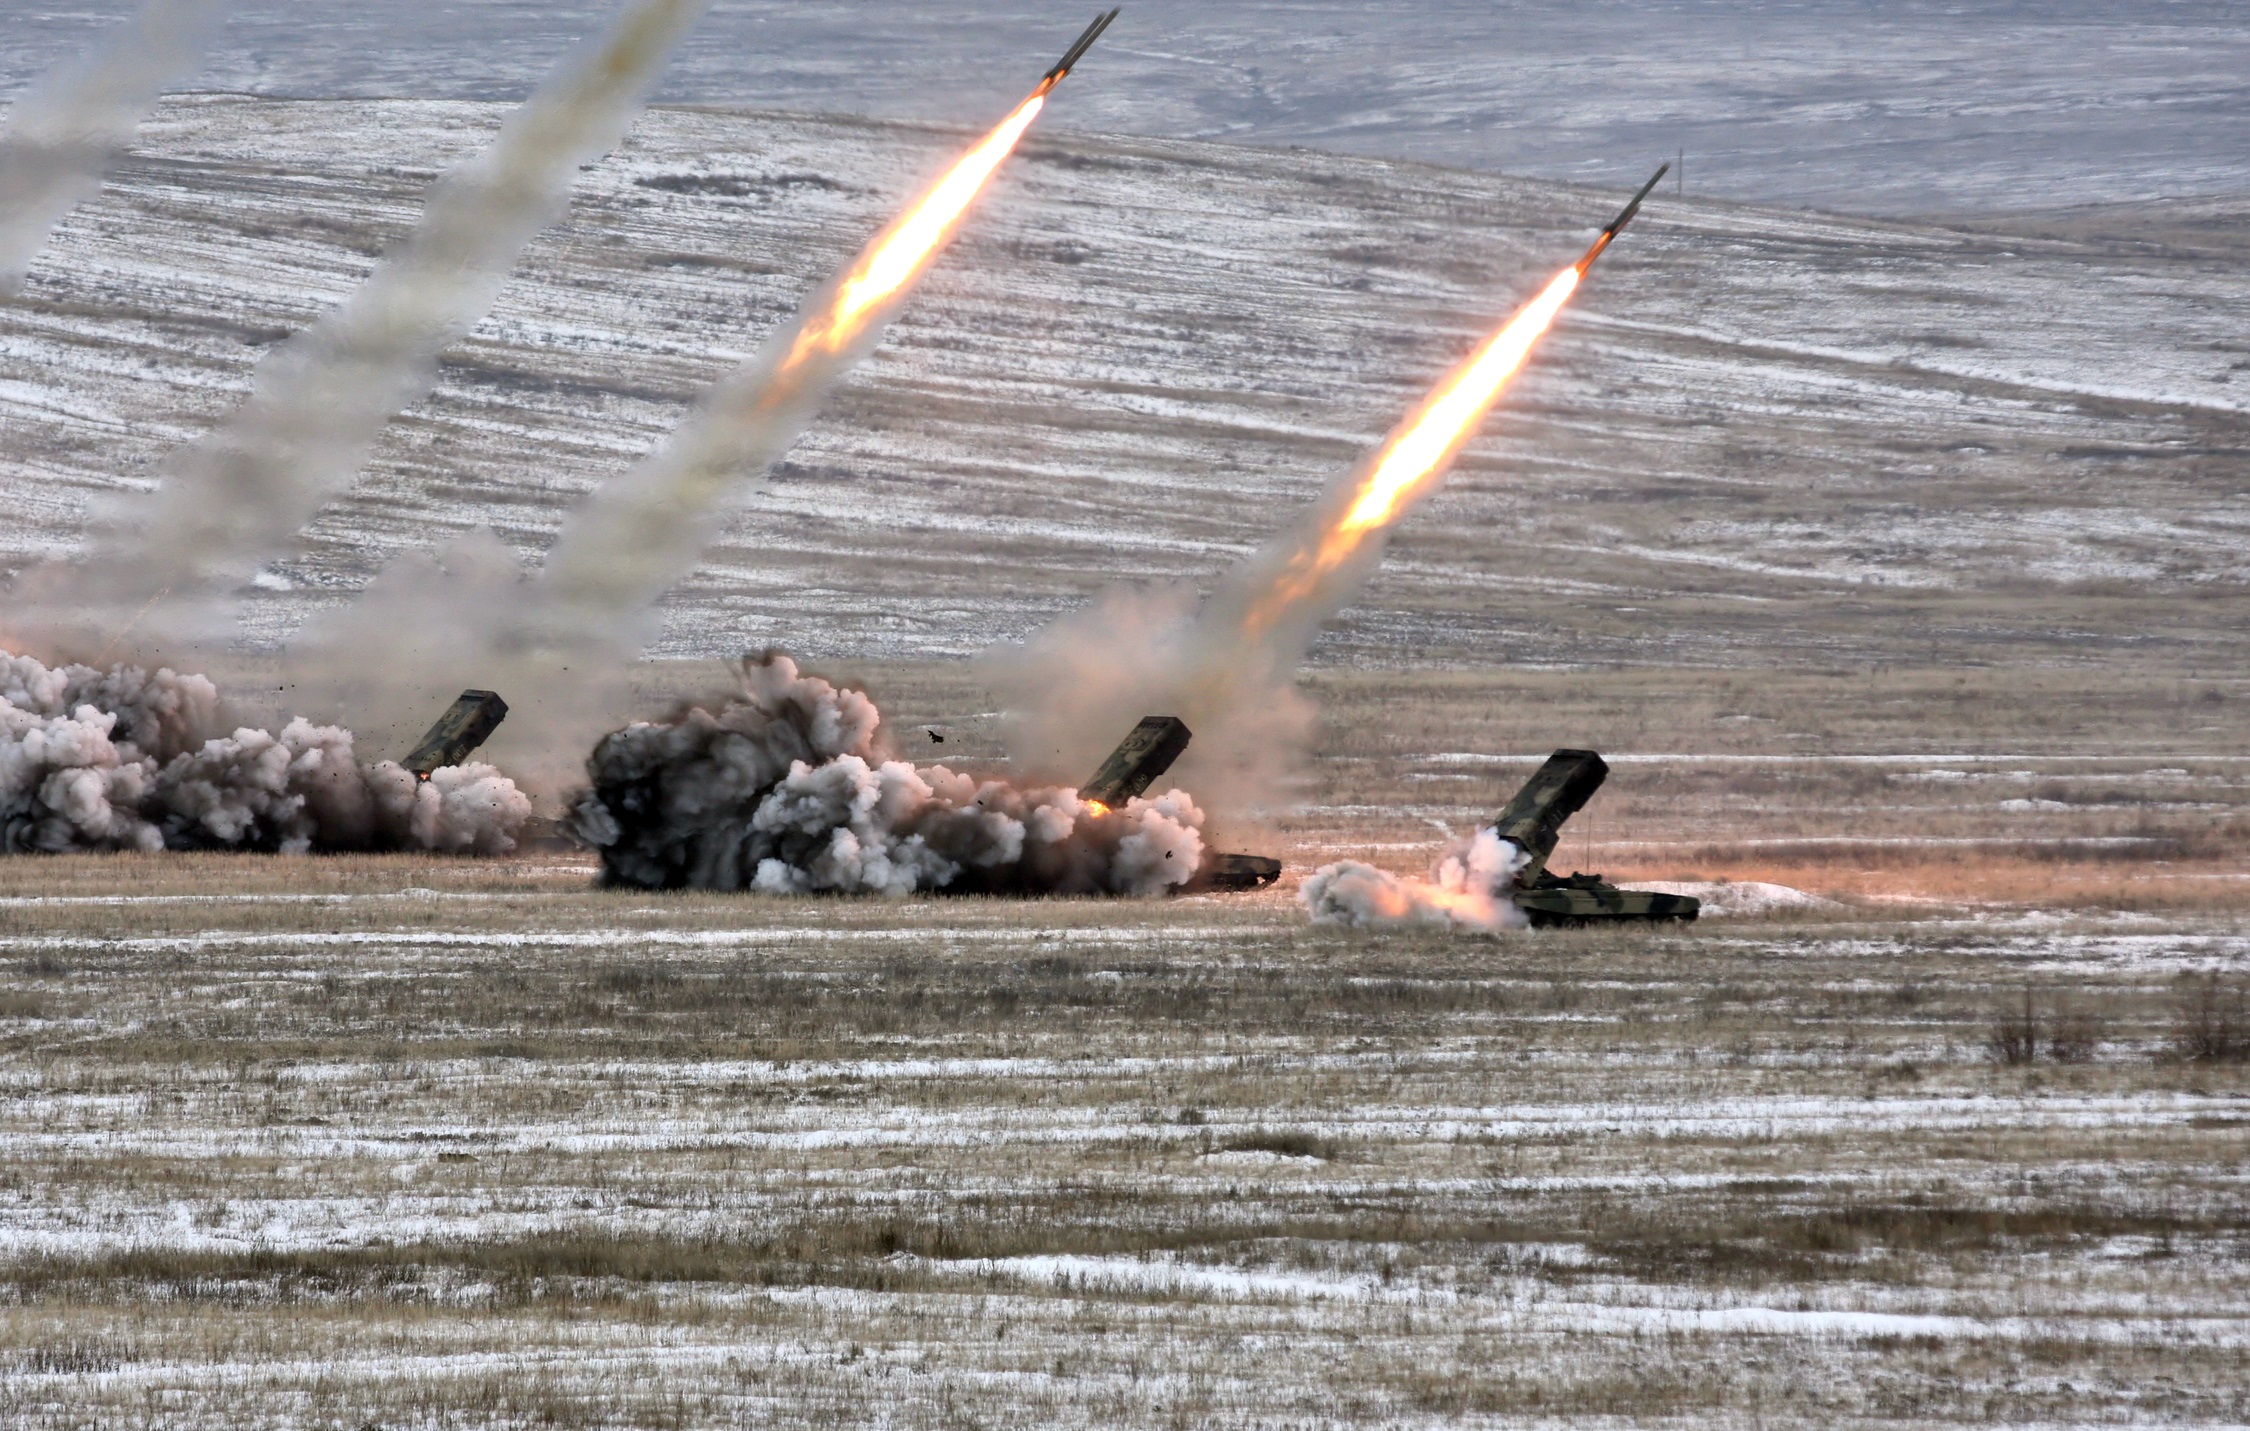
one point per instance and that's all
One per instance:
(788, 787)
(66, 131)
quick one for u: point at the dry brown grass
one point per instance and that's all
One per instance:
(441, 1142)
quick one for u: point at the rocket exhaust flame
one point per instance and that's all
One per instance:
(1421, 449)
(559, 642)
(640, 534)
(1413, 460)
(1226, 666)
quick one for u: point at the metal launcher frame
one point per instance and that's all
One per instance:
(468, 723)
(1533, 822)
(1146, 752)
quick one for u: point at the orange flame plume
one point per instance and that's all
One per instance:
(1416, 454)
(899, 253)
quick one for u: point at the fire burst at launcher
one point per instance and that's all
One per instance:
(1422, 447)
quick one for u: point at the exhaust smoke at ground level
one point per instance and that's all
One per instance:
(1467, 888)
(789, 787)
(132, 759)
(66, 131)
(238, 496)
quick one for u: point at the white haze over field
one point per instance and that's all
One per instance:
(1467, 889)
(1905, 107)
(239, 495)
(64, 132)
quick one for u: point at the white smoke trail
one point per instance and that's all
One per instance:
(639, 534)
(131, 759)
(235, 498)
(788, 788)
(559, 645)
(1229, 668)
(76, 120)
(1467, 889)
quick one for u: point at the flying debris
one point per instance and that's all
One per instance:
(1146, 752)
(789, 787)
(1533, 822)
(468, 723)
(1233, 874)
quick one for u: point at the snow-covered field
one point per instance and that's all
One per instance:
(1758, 437)
(1897, 568)
(463, 1144)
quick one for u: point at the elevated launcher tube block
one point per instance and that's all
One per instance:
(1141, 758)
(468, 723)
(1146, 752)
(1533, 822)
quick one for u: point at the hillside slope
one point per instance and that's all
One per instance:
(1759, 437)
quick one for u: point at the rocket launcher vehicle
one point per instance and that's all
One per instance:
(1533, 823)
(1146, 752)
(468, 723)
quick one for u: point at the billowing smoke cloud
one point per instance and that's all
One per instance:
(789, 788)
(232, 500)
(131, 759)
(75, 121)
(1467, 889)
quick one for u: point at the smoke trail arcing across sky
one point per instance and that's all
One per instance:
(237, 497)
(1227, 668)
(558, 644)
(74, 122)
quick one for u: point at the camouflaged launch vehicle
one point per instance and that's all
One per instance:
(1533, 822)
(468, 723)
(1146, 752)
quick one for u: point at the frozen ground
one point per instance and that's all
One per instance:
(511, 1153)
(1906, 106)
(1758, 438)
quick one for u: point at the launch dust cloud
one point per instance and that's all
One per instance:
(788, 786)
(133, 759)
(66, 131)
(1467, 889)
